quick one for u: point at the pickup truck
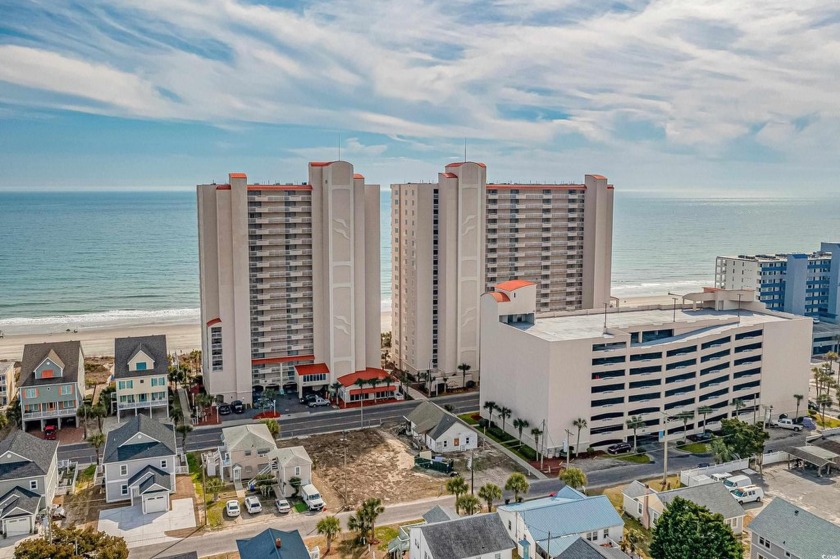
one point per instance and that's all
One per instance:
(786, 423)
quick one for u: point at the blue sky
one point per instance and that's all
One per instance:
(715, 96)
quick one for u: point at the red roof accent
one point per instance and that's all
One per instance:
(536, 186)
(371, 389)
(313, 369)
(599, 177)
(366, 374)
(307, 187)
(500, 297)
(449, 175)
(286, 359)
(464, 162)
(223, 187)
(214, 321)
(358, 176)
(513, 285)
(610, 187)
(711, 289)
(320, 163)
(238, 176)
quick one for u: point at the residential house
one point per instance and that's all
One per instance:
(7, 382)
(28, 479)
(291, 462)
(439, 430)
(52, 383)
(784, 531)
(140, 460)
(714, 496)
(276, 544)
(582, 548)
(141, 372)
(400, 545)
(481, 536)
(547, 527)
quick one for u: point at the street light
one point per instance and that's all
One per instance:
(665, 437)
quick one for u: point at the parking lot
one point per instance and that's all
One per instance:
(802, 488)
(286, 404)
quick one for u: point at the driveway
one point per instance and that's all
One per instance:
(140, 529)
(802, 488)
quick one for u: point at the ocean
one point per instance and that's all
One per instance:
(98, 259)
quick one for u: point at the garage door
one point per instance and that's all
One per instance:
(155, 503)
(17, 526)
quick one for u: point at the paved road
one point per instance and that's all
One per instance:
(316, 423)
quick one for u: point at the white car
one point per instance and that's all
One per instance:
(253, 505)
(318, 402)
(232, 508)
(283, 506)
(748, 494)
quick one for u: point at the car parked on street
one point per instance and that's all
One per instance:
(232, 508)
(786, 423)
(253, 505)
(619, 448)
(282, 506)
(701, 437)
(318, 402)
(308, 397)
(224, 409)
(237, 406)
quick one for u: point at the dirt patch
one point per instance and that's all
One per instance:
(98, 369)
(378, 465)
(84, 506)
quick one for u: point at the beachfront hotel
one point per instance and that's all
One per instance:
(455, 238)
(714, 348)
(289, 277)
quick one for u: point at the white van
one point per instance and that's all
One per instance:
(736, 482)
(748, 494)
(721, 476)
(311, 497)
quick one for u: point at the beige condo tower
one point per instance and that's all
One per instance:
(289, 277)
(455, 239)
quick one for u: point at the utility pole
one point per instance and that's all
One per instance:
(567, 448)
(204, 492)
(472, 471)
(344, 440)
(665, 433)
(542, 445)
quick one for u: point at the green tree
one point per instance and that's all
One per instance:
(490, 406)
(372, 508)
(721, 451)
(516, 483)
(685, 417)
(456, 486)
(358, 522)
(704, 411)
(73, 543)
(830, 358)
(214, 485)
(470, 504)
(13, 412)
(184, 429)
(689, 531)
(295, 483)
(744, 439)
(463, 367)
(97, 441)
(573, 477)
(504, 413)
(83, 413)
(490, 492)
(635, 422)
(100, 412)
(519, 424)
(824, 401)
(536, 432)
(176, 414)
(273, 427)
(580, 424)
(329, 527)
(334, 389)
(738, 403)
(799, 398)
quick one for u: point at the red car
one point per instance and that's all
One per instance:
(50, 432)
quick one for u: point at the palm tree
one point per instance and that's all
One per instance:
(819, 378)
(721, 450)
(273, 427)
(580, 423)
(573, 477)
(520, 424)
(704, 411)
(490, 492)
(329, 526)
(214, 485)
(685, 416)
(635, 422)
(798, 398)
(334, 388)
(830, 358)
(84, 414)
(468, 503)
(456, 486)
(99, 411)
(176, 414)
(504, 413)
(536, 432)
(372, 508)
(738, 403)
(361, 384)
(184, 429)
(373, 383)
(516, 483)
(490, 406)
(823, 402)
(97, 440)
(464, 368)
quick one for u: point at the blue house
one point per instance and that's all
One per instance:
(275, 544)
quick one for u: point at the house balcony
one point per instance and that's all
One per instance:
(143, 404)
(48, 414)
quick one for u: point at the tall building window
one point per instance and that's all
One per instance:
(216, 348)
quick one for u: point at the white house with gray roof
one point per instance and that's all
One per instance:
(140, 463)
(141, 372)
(52, 383)
(28, 479)
(481, 536)
(784, 531)
(439, 430)
(547, 527)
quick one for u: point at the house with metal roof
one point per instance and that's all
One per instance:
(646, 505)
(28, 479)
(439, 430)
(547, 527)
(52, 383)
(482, 536)
(141, 369)
(276, 544)
(784, 531)
(140, 460)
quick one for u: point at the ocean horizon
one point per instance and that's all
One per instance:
(95, 259)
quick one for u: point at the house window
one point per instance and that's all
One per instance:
(141, 366)
(765, 543)
(31, 393)
(509, 526)
(163, 464)
(444, 444)
(498, 556)
(123, 489)
(606, 534)
(467, 441)
(33, 484)
(640, 508)
(592, 536)
(123, 469)
(456, 442)
(297, 470)
(67, 390)
(247, 453)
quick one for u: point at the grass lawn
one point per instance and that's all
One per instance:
(86, 475)
(694, 448)
(468, 419)
(300, 506)
(385, 534)
(634, 458)
(829, 421)
(673, 483)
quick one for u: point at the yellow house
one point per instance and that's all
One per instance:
(140, 372)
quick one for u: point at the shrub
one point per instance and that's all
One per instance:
(476, 416)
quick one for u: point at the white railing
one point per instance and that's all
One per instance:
(49, 413)
(146, 404)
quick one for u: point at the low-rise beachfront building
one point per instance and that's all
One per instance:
(481, 536)
(7, 382)
(368, 386)
(28, 480)
(141, 370)
(439, 430)
(654, 362)
(52, 383)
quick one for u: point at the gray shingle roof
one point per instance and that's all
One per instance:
(467, 537)
(713, 496)
(126, 348)
(443, 425)
(159, 440)
(439, 514)
(34, 355)
(796, 530)
(19, 498)
(38, 455)
(582, 549)
(262, 546)
(635, 489)
(149, 476)
(426, 416)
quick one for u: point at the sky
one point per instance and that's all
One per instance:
(658, 95)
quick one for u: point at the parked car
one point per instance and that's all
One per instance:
(308, 397)
(50, 432)
(703, 465)
(252, 504)
(808, 423)
(232, 508)
(701, 437)
(736, 482)
(282, 506)
(785, 423)
(721, 476)
(813, 405)
(312, 498)
(237, 406)
(224, 409)
(748, 494)
(318, 402)
(619, 448)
